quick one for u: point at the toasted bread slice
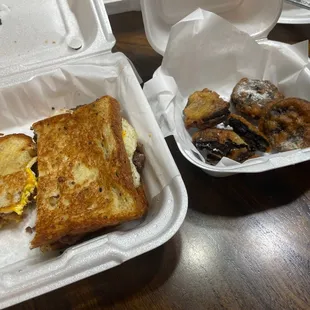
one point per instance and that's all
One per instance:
(85, 181)
(17, 181)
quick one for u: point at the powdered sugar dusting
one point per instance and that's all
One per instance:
(256, 91)
(291, 144)
(223, 126)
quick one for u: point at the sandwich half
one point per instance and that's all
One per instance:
(85, 177)
(17, 180)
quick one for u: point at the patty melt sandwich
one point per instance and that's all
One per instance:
(87, 178)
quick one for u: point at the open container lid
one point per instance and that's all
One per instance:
(46, 33)
(120, 6)
(257, 18)
(292, 14)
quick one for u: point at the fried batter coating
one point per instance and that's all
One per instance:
(217, 143)
(249, 133)
(286, 123)
(251, 95)
(240, 155)
(205, 109)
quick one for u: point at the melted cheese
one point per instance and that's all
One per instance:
(27, 191)
(130, 139)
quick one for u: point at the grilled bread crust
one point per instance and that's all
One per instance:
(16, 151)
(85, 181)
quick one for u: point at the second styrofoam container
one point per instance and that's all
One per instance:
(164, 95)
(257, 18)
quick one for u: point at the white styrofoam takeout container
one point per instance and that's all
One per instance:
(120, 6)
(254, 17)
(257, 18)
(64, 47)
(292, 14)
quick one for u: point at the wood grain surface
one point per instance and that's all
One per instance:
(245, 243)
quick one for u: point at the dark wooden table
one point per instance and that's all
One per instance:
(245, 243)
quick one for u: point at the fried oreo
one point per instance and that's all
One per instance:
(286, 123)
(249, 133)
(217, 143)
(240, 155)
(205, 109)
(250, 96)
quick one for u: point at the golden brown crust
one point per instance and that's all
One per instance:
(240, 155)
(9, 218)
(16, 152)
(251, 95)
(85, 181)
(205, 109)
(219, 135)
(11, 187)
(22, 138)
(286, 123)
